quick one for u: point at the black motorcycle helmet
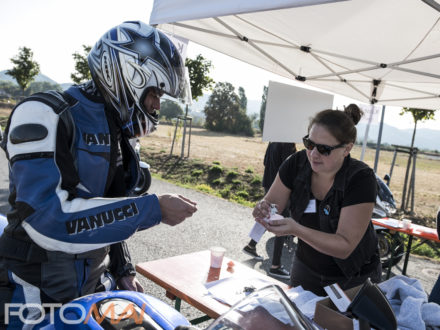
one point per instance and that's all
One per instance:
(128, 61)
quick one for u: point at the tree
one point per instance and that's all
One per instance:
(198, 75)
(242, 123)
(82, 71)
(242, 98)
(223, 111)
(263, 108)
(170, 109)
(25, 69)
(418, 115)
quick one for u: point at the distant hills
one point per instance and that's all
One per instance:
(425, 138)
(253, 106)
(39, 78)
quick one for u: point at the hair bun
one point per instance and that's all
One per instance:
(353, 112)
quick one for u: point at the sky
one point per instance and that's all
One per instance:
(55, 29)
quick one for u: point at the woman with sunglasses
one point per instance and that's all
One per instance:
(331, 202)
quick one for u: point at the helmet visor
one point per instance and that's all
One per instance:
(183, 93)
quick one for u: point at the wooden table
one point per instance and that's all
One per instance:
(183, 277)
(426, 234)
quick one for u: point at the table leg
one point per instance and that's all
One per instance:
(390, 264)
(394, 244)
(200, 319)
(177, 304)
(408, 251)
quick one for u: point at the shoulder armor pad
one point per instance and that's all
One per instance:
(27, 133)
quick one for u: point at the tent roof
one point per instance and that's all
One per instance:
(384, 51)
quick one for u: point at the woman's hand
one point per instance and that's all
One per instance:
(280, 227)
(261, 210)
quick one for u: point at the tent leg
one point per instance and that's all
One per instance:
(379, 140)
(174, 137)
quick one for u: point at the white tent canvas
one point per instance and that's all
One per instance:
(289, 109)
(379, 51)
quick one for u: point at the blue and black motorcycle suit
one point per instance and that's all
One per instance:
(67, 210)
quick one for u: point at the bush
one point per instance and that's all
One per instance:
(225, 192)
(216, 169)
(243, 194)
(187, 179)
(216, 162)
(196, 173)
(249, 170)
(205, 188)
(216, 182)
(231, 175)
(256, 181)
(236, 182)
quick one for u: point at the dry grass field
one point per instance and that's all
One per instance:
(244, 152)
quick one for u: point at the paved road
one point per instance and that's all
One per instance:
(217, 222)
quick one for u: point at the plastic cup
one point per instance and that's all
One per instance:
(406, 223)
(217, 254)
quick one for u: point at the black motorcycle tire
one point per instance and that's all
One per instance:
(387, 243)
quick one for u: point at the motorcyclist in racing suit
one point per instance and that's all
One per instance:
(68, 191)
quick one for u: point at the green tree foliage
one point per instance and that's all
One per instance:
(220, 108)
(263, 108)
(82, 71)
(223, 111)
(242, 98)
(25, 68)
(170, 109)
(198, 75)
(418, 115)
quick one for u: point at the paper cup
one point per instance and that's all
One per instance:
(217, 254)
(406, 223)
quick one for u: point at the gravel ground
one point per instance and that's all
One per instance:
(217, 222)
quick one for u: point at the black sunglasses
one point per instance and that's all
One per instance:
(323, 149)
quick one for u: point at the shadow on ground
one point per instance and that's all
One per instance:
(286, 258)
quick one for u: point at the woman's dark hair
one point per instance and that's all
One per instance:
(340, 124)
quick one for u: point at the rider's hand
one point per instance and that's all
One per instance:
(175, 208)
(130, 283)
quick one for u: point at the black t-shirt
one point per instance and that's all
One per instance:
(360, 189)
(276, 153)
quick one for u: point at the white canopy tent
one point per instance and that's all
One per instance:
(375, 51)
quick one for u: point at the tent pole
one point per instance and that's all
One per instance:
(379, 140)
(364, 144)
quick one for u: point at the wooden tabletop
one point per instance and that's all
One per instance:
(413, 229)
(184, 277)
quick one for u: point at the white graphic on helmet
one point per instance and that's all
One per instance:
(129, 60)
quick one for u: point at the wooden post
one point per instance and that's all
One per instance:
(392, 164)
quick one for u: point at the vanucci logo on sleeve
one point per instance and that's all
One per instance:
(101, 219)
